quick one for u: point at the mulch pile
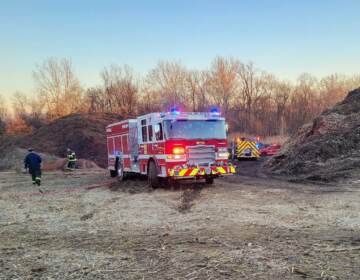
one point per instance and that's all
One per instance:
(83, 133)
(327, 149)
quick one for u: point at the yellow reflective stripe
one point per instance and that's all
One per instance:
(182, 172)
(241, 146)
(247, 144)
(221, 170)
(244, 146)
(232, 169)
(194, 172)
(252, 146)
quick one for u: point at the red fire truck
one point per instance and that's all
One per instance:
(169, 146)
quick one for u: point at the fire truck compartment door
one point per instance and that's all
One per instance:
(133, 142)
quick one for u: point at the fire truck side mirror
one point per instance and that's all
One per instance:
(226, 127)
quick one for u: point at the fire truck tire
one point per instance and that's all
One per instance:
(120, 172)
(209, 180)
(153, 178)
(113, 173)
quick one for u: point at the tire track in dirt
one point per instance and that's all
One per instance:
(187, 198)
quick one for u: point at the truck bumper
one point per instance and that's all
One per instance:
(243, 156)
(199, 172)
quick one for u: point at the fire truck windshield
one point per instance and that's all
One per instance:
(195, 129)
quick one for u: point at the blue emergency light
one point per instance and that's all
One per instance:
(174, 111)
(215, 111)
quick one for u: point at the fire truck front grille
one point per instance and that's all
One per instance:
(200, 155)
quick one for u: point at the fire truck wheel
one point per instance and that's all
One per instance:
(120, 172)
(113, 173)
(209, 180)
(153, 178)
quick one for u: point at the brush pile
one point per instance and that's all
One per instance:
(327, 149)
(83, 133)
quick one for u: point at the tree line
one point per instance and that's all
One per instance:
(252, 100)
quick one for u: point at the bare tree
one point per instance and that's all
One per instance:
(263, 105)
(28, 110)
(120, 89)
(281, 99)
(304, 101)
(253, 101)
(3, 115)
(223, 83)
(150, 101)
(197, 84)
(247, 79)
(58, 87)
(95, 100)
(169, 80)
(353, 82)
(3, 108)
(20, 102)
(333, 88)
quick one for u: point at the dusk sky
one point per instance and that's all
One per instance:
(286, 38)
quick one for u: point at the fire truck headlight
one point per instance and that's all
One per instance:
(223, 155)
(178, 151)
(176, 157)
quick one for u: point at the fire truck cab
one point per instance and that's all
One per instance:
(171, 145)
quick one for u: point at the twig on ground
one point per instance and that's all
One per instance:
(342, 249)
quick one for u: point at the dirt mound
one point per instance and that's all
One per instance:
(60, 163)
(84, 133)
(13, 158)
(326, 149)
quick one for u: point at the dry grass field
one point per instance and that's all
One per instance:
(85, 225)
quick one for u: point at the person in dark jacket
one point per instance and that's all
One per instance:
(32, 162)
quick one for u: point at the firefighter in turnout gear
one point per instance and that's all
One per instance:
(71, 156)
(32, 162)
